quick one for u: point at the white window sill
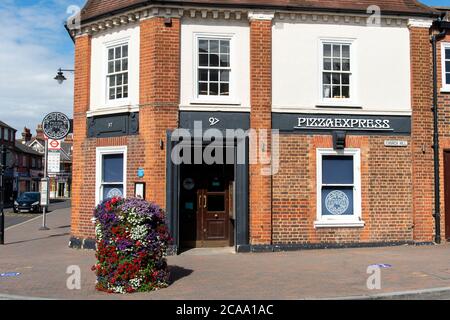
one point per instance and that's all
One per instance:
(338, 104)
(339, 224)
(445, 90)
(100, 111)
(224, 102)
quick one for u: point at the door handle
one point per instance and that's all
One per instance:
(199, 201)
(204, 202)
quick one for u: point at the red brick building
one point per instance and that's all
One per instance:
(24, 166)
(321, 109)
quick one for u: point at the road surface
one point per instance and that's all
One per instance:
(12, 218)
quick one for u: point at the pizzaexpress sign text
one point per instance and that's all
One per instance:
(343, 123)
(368, 124)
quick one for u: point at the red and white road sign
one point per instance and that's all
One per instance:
(54, 144)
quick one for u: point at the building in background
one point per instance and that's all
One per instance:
(24, 165)
(7, 138)
(59, 160)
(29, 168)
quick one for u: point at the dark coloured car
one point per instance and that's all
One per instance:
(28, 202)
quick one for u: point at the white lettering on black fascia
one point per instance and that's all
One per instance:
(344, 123)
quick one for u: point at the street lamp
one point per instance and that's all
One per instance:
(60, 75)
(2, 192)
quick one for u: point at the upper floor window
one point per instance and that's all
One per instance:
(446, 66)
(336, 71)
(214, 67)
(117, 77)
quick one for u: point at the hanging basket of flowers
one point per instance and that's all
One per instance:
(132, 240)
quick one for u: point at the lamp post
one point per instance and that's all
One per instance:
(60, 75)
(2, 191)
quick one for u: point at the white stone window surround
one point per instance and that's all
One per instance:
(324, 221)
(99, 96)
(100, 152)
(351, 102)
(239, 32)
(445, 86)
(203, 99)
(296, 82)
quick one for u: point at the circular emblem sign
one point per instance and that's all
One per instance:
(56, 125)
(337, 202)
(114, 193)
(54, 144)
(188, 184)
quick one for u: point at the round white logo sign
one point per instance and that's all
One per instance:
(56, 125)
(337, 202)
(114, 193)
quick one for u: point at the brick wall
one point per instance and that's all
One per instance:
(159, 98)
(422, 134)
(80, 222)
(386, 201)
(260, 118)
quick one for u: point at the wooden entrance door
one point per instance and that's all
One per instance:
(213, 218)
(447, 193)
(206, 206)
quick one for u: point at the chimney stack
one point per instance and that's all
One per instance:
(26, 135)
(40, 133)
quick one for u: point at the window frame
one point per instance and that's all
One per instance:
(100, 152)
(336, 102)
(106, 46)
(207, 99)
(355, 220)
(445, 85)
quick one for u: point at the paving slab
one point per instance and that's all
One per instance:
(43, 257)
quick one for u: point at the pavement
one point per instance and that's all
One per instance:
(12, 218)
(43, 260)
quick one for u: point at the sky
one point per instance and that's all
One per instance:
(34, 44)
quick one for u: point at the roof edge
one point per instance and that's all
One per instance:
(431, 14)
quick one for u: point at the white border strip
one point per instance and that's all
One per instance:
(31, 220)
(391, 294)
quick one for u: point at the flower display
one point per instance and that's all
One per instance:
(132, 241)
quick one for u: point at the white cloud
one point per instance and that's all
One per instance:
(34, 44)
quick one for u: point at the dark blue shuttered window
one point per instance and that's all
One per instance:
(337, 185)
(112, 175)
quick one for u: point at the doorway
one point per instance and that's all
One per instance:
(207, 206)
(447, 193)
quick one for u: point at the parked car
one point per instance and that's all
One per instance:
(28, 202)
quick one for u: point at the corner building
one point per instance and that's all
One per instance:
(339, 100)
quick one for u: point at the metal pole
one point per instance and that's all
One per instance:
(44, 209)
(2, 193)
(437, 193)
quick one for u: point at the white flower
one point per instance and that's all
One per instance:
(139, 232)
(98, 231)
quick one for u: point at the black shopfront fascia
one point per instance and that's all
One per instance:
(351, 124)
(113, 125)
(221, 121)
